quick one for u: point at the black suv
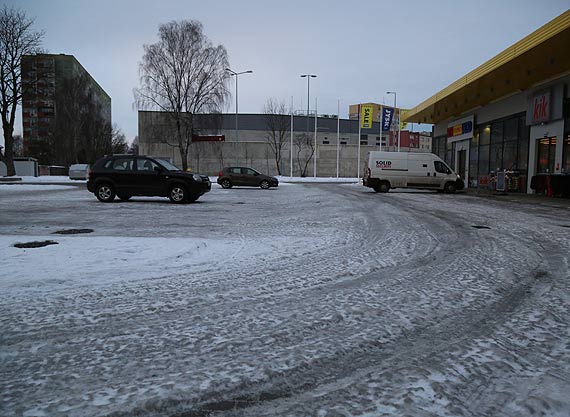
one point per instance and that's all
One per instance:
(231, 176)
(129, 175)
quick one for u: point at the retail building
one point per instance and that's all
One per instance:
(511, 114)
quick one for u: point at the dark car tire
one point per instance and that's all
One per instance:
(450, 188)
(124, 197)
(178, 194)
(105, 192)
(264, 184)
(226, 184)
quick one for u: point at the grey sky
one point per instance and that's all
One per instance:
(359, 50)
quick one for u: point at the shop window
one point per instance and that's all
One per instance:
(510, 155)
(473, 171)
(496, 149)
(566, 155)
(485, 135)
(546, 151)
(484, 161)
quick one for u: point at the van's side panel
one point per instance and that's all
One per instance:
(389, 166)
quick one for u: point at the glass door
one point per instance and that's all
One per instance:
(546, 151)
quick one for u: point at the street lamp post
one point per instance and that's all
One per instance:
(393, 92)
(233, 73)
(308, 76)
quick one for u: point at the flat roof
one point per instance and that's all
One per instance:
(540, 56)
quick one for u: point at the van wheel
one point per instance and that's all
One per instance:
(450, 188)
(383, 187)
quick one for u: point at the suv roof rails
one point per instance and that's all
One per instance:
(121, 154)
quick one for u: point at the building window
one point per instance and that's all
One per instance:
(496, 149)
(343, 142)
(325, 142)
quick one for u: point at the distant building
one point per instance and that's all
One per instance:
(410, 141)
(216, 144)
(64, 110)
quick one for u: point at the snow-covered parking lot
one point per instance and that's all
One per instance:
(306, 300)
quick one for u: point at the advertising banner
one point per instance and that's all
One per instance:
(366, 117)
(403, 125)
(387, 116)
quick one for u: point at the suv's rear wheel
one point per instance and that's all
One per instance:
(226, 184)
(177, 194)
(264, 184)
(105, 192)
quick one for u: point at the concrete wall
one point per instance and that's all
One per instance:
(252, 149)
(210, 157)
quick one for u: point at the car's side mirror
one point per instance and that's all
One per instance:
(158, 170)
(256, 173)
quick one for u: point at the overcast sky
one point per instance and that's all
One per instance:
(359, 50)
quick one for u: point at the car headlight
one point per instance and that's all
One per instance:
(197, 178)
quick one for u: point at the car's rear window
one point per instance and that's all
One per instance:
(120, 164)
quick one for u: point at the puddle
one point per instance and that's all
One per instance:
(72, 231)
(36, 244)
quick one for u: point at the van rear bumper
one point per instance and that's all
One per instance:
(370, 182)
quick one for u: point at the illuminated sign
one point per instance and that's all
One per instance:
(460, 129)
(541, 108)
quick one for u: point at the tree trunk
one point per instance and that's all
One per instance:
(8, 155)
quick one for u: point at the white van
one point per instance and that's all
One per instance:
(387, 170)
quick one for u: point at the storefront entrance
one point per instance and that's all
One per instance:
(462, 159)
(545, 155)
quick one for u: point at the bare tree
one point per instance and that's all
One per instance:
(277, 123)
(17, 38)
(18, 145)
(134, 148)
(183, 74)
(118, 141)
(305, 151)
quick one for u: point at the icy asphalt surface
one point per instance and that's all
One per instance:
(308, 300)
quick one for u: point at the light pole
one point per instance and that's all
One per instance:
(308, 76)
(233, 73)
(393, 92)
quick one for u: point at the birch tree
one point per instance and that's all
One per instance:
(183, 74)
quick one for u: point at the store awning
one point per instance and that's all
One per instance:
(542, 55)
